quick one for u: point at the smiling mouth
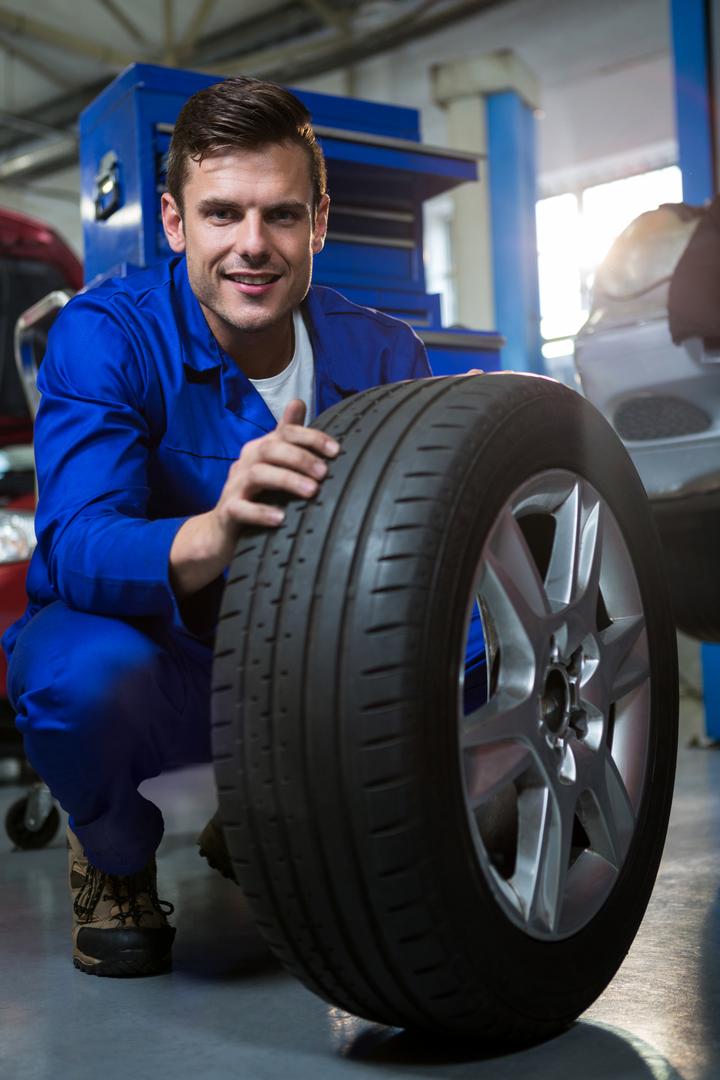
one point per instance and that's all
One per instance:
(252, 279)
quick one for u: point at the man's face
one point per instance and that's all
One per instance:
(248, 233)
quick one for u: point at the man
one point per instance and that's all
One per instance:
(170, 400)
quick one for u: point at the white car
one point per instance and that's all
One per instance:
(649, 358)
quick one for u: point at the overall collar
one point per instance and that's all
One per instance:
(337, 374)
(201, 353)
(336, 377)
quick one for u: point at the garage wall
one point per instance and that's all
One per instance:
(607, 109)
(606, 85)
(604, 70)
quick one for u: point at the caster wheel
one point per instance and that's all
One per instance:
(28, 839)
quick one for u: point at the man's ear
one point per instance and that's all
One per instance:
(321, 224)
(172, 223)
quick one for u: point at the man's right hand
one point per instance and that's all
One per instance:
(289, 459)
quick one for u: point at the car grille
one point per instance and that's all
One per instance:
(655, 416)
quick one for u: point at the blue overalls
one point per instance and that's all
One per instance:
(141, 416)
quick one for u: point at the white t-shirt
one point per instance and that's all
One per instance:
(297, 380)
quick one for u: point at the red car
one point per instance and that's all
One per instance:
(34, 261)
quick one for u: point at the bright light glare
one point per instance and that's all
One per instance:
(609, 208)
(573, 242)
(554, 350)
(559, 266)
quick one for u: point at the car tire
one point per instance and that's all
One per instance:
(416, 856)
(690, 535)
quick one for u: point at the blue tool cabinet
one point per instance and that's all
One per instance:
(379, 175)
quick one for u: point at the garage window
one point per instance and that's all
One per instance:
(574, 233)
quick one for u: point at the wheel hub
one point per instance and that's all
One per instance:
(556, 702)
(561, 711)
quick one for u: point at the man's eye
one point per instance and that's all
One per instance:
(284, 216)
(221, 214)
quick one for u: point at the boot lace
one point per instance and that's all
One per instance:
(130, 893)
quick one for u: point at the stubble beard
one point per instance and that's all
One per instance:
(251, 319)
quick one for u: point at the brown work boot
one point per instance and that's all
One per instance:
(213, 847)
(119, 925)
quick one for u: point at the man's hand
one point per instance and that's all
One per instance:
(289, 459)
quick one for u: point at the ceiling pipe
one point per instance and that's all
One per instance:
(306, 60)
(42, 156)
(32, 62)
(124, 20)
(61, 39)
(287, 65)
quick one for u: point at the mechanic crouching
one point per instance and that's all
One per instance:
(170, 400)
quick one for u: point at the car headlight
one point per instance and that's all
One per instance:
(17, 535)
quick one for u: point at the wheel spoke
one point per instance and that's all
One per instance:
(621, 666)
(490, 769)
(494, 741)
(512, 587)
(628, 669)
(575, 548)
(501, 719)
(543, 854)
(607, 814)
(573, 577)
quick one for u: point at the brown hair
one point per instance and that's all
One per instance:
(241, 112)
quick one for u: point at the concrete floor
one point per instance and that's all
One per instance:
(228, 1010)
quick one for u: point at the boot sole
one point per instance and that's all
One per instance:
(126, 965)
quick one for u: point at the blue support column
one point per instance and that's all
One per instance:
(513, 194)
(691, 45)
(710, 657)
(692, 60)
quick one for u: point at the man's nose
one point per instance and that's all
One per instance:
(251, 239)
